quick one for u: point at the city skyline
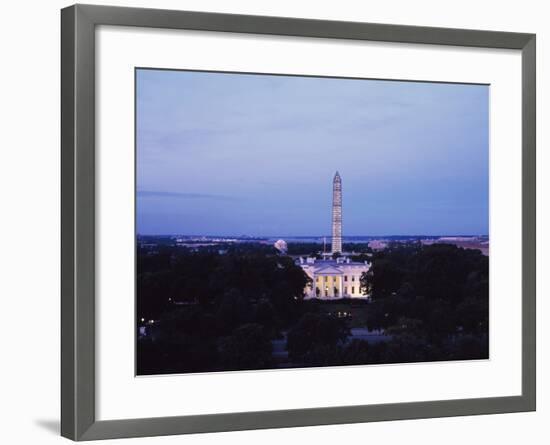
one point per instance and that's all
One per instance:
(239, 154)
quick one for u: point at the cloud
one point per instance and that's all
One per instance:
(181, 195)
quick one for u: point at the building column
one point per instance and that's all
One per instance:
(340, 285)
(319, 286)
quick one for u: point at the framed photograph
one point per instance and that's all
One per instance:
(272, 222)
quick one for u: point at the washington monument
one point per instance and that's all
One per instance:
(337, 214)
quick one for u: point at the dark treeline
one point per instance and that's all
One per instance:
(433, 300)
(314, 249)
(221, 311)
(215, 311)
(306, 249)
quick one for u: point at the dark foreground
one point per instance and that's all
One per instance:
(240, 307)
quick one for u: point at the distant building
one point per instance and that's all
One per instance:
(378, 244)
(281, 246)
(340, 277)
(480, 243)
(332, 279)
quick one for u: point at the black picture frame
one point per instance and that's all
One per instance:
(78, 23)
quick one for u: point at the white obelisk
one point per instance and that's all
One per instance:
(337, 214)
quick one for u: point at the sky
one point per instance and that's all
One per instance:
(246, 154)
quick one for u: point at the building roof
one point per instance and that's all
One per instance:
(332, 266)
(327, 270)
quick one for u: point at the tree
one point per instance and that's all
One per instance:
(266, 316)
(182, 341)
(315, 330)
(248, 347)
(234, 310)
(153, 294)
(441, 290)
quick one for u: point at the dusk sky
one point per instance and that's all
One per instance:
(239, 154)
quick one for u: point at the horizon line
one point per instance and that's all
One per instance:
(312, 236)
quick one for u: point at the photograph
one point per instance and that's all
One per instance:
(291, 221)
(267, 223)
